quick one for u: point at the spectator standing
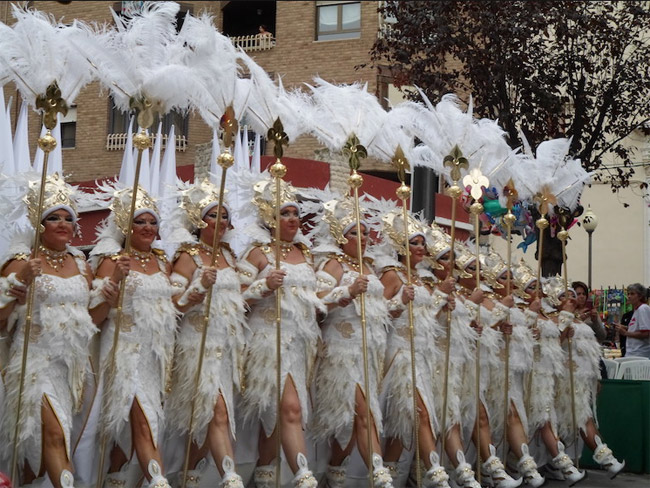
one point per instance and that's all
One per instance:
(637, 333)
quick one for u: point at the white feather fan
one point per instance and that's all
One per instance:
(213, 61)
(141, 57)
(339, 111)
(35, 53)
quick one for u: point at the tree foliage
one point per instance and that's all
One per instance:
(576, 69)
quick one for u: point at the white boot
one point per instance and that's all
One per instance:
(335, 475)
(303, 478)
(157, 479)
(393, 469)
(66, 479)
(436, 477)
(193, 476)
(603, 456)
(264, 476)
(527, 468)
(381, 475)
(463, 474)
(230, 478)
(493, 473)
(561, 467)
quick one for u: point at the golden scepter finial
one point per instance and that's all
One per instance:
(229, 126)
(51, 103)
(455, 161)
(476, 181)
(278, 170)
(403, 193)
(354, 151)
(543, 199)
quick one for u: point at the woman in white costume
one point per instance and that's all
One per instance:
(300, 305)
(341, 401)
(502, 315)
(428, 304)
(214, 424)
(133, 392)
(61, 330)
(460, 354)
(541, 383)
(472, 312)
(586, 355)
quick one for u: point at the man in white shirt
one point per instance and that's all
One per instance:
(638, 330)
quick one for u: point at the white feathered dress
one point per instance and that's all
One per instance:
(57, 362)
(220, 371)
(144, 355)
(586, 356)
(300, 335)
(397, 392)
(340, 367)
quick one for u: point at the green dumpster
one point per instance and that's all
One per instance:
(623, 413)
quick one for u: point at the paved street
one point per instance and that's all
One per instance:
(597, 478)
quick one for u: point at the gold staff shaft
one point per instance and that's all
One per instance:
(278, 173)
(216, 243)
(47, 143)
(141, 141)
(454, 192)
(476, 209)
(506, 359)
(404, 190)
(356, 180)
(563, 236)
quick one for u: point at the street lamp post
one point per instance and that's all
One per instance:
(590, 222)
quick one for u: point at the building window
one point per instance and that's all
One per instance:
(69, 128)
(338, 20)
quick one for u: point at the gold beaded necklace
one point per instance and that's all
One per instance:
(285, 248)
(54, 258)
(142, 257)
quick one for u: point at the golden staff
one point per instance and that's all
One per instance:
(354, 151)
(565, 218)
(543, 198)
(141, 141)
(476, 181)
(225, 160)
(455, 161)
(508, 220)
(403, 193)
(278, 170)
(50, 103)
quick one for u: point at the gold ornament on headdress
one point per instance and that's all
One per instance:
(57, 192)
(339, 214)
(197, 198)
(394, 228)
(464, 257)
(265, 198)
(437, 245)
(121, 206)
(553, 287)
(493, 266)
(523, 276)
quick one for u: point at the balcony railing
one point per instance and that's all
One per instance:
(255, 42)
(115, 142)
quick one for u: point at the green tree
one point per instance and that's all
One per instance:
(576, 69)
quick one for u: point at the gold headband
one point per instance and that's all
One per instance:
(197, 198)
(339, 215)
